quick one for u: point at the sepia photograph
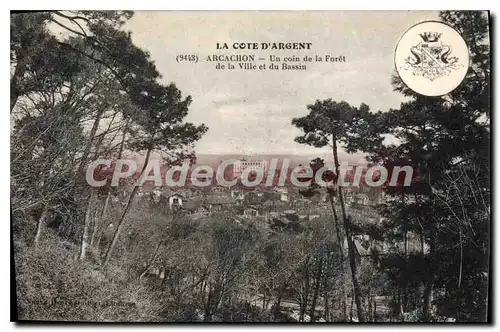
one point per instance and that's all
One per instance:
(250, 166)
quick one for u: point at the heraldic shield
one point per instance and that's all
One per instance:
(431, 58)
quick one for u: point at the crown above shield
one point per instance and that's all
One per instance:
(430, 36)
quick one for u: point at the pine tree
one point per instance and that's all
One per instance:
(446, 140)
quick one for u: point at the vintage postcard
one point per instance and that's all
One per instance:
(250, 166)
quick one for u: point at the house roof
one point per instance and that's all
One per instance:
(176, 195)
(220, 200)
(192, 204)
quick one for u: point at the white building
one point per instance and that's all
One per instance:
(238, 194)
(283, 192)
(175, 200)
(251, 165)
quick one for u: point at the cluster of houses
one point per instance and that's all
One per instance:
(258, 201)
(367, 247)
(215, 199)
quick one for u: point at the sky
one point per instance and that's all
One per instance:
(250, 112)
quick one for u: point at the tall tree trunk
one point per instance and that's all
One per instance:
(305, 294)
(350, 242)
(100, 222)
(88, 144)
(340, 247)
(335, 220)
(40, 226)
(95, 229)
(89, 198)
(277, 305)
(370, 313)
(461, 258)
(121, 222)
(326, 302)
(428, 289)
(406, 242)
(351, 308)
(151, 261)
(318, 275)
(86, 226)
(427, 302)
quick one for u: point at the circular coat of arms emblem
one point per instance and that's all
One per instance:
(432, 58)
